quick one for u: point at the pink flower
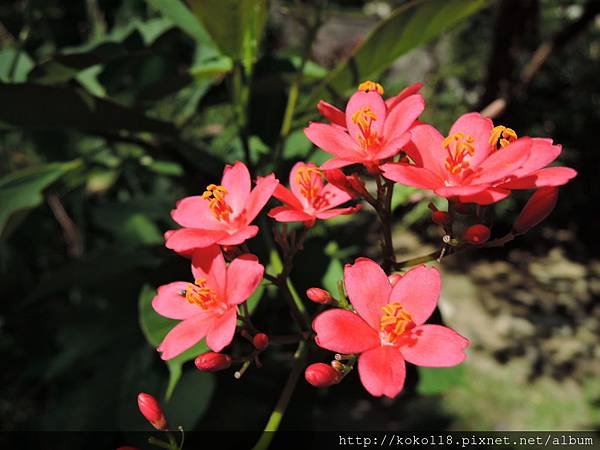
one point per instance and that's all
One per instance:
(223, 213)
(477, 162)
(207, 307)
(370, 130)
(387, 328)
(309, 198)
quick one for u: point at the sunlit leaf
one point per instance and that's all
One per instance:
(236, 26)
(409, 26)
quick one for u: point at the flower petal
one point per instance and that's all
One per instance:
(486, 197)
(401, 117)
(502, 163)
(479, 128)
(391, 102)
(329, 213)
(368, 288)
(244, 274)
(434, 346)
(343, 331)
(542, 153)
(392, 147)
(184, 335)
(382, 371)
(332, 140)
(260, 195)
(426, 149)
(335, 115)
(185, 240)
(295, 185)
(168, 301)
(208, 263)
(287, 214)
(410, 175)
(193, 212)
(285, 195)
(453, 191)
(418, 292)
(240, 236)
(335, 163)
(222, 331)
(550, 176)
(361, 100)
(335, 196)
(236, 179)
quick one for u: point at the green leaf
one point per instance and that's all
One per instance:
(14, 65)
(236, 26)
(183, 18)
(434, 380)
(22, 190)
(155, 328)
(191, 399)
(52, 107)
(409, 26)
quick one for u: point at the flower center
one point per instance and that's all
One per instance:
(307, 178)
(501, 136)
(394, 322)
(367, 86)
(217, 204)
(364, 118)
(459, 146)
(200, 294)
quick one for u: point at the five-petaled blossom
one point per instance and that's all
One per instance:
(223, 213)
(371, 130)
(309, 198)
(207, 307)
(477, 162)
(387, 328)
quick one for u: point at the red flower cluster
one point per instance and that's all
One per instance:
(383, 326)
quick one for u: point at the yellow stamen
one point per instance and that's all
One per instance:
(367, 86)
(364, 118)
(201, 295)
(458, 146)
(306, 178)
(501, 136)
(217, 204)
(395, 321)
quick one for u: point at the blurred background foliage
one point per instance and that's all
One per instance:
(111, 110)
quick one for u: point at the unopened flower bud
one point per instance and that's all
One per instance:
(321, 375)
(212, 362)
(151, 410)
(337, 178)
(394, 278)
(477, 234)
(260, 341)
(441, 217)
(357, 184)
(319, 295)
(537, 208)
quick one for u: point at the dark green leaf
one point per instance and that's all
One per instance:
(22, 190)
(50, 107)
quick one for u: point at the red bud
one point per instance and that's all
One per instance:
(441, 217)
(212, 362)
(151, 410)
(477, 234)
(537, 208)
(321, 375)
(339, 180)
(260, 341)
(319, 295)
